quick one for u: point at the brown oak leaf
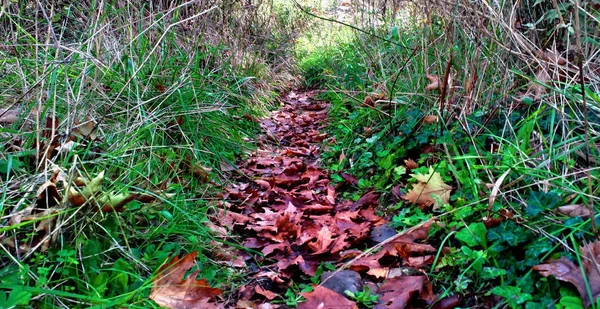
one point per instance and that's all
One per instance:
(429, 190)
(324, 298)
(170, 290)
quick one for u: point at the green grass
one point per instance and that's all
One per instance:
(171, 105)
(170, 91)
(537, 146)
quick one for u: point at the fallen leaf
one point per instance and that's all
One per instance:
(411, 164)
(369, 102)
(448, 302)
(350, 179)
(9, 115)
(226, 255)
(92, 188)
(551, 56)
(82, 191)
(368, 199)
(429, 190)
(113, 201)
(87, 130)
(170, 290)
(226, 167)
(342, 158)
(430, 119)
(323, 242)
(266, 293)
(575, 210)
(398, 292)
(330, 198)
(379, 273)
(43, 223)
(565, 270)
(199, 171)
(160, 87)
(434, 82)
(324, 298)
(47, 195)
(538, 87)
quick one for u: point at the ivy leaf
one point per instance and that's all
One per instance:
(540, 201)
(489, 273)
(534, 250)
(509, 232)
(513, 295)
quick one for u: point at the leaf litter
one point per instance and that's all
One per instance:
(282, 204)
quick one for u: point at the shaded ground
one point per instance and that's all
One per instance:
(283, 205)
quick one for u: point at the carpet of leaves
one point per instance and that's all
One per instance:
(282, 204)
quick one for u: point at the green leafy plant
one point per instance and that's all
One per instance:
(292, 295)
(364, 297)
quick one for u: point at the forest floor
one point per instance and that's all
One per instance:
(282, 206)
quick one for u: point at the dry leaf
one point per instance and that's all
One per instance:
(80, 197)
(448, 302)
(341, 159)
(350, 179)
(368, 199)
(266, 293)
(552, 57)
(575, 210)
(170, 290)
(200, 171)
(324, 298)
(430, 119)
(410, 164)
(42, 228)
(323, 242)
(565, 270)
(91, 191)
(538, 87)
(369, 102)
(398, 292)
(9, 115)
(434, 82)
(160, 87)
(113, 201)
(430, 190)
(87, 130)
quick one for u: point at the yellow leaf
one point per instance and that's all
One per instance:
(429, 190)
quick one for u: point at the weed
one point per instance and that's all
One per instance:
(292, 295)
(364, 297)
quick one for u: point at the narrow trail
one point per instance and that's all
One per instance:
(283, 205)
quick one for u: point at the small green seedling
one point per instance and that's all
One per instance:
(364, 297)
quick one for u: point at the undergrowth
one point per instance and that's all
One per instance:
(510, 133)
(157, 97)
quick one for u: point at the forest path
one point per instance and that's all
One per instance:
(283, 205)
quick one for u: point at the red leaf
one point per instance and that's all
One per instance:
(350, 179)
(368, 199)
(398, 292)
(324, 298)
